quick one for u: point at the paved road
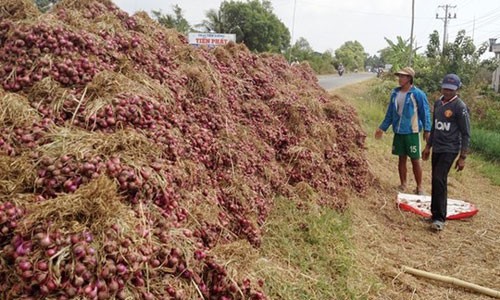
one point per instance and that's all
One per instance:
(331, 82)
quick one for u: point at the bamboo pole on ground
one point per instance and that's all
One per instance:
(455, 281)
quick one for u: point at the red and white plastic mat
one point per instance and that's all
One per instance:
(421, 205)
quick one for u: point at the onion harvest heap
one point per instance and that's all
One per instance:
(128, 158)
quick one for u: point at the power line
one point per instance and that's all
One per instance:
(478, 24)
(465, 3)
(487, 18)
(341, 11)
(487, 35)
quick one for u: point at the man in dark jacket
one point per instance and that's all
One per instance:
(408, 113)
(449, 138)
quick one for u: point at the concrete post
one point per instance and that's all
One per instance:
(495, 80)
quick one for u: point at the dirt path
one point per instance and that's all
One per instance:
(387, 238)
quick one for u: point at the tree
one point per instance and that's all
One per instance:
(460, 57)
(301, 50)
(398, 53)
(253, 22)
(176, 21)
(44, 5)
(433, 46)
(374, 62)
(432, 70)
(352, 55)
(321, 63)
(213, 22)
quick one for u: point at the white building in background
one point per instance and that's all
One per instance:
(495, 82)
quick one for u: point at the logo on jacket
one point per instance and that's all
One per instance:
(442, 125)
(448, 113)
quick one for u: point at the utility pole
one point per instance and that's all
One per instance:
(411, 33)
(293, 28)
(473, 28)
(446, 18)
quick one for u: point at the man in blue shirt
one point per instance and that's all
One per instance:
(408, 113)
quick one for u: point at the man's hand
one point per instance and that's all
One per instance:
(378, 133)
(427, 134)
(460, 164)
(426, 153)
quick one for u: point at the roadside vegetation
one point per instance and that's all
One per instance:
(307, 251)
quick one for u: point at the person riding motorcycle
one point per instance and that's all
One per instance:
(341, 69)
(380, 71)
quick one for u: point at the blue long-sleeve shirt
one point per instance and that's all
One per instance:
(415, 115)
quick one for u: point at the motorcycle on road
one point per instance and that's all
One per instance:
(341, 70)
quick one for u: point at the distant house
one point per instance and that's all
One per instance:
(495, 82)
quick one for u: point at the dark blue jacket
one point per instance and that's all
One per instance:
(451, 127)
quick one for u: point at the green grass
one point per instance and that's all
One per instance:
(309, 248)
(490, 169)
(486, 142)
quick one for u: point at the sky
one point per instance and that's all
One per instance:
(328, 24)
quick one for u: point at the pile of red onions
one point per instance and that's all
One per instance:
(9, 216)
(232, 129)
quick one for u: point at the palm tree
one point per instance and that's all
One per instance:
(176, 20)
(213, 22)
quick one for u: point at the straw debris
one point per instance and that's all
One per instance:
(17, 174)
(16, 111)
(129, 144)
(96, 205)
(17, 10)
